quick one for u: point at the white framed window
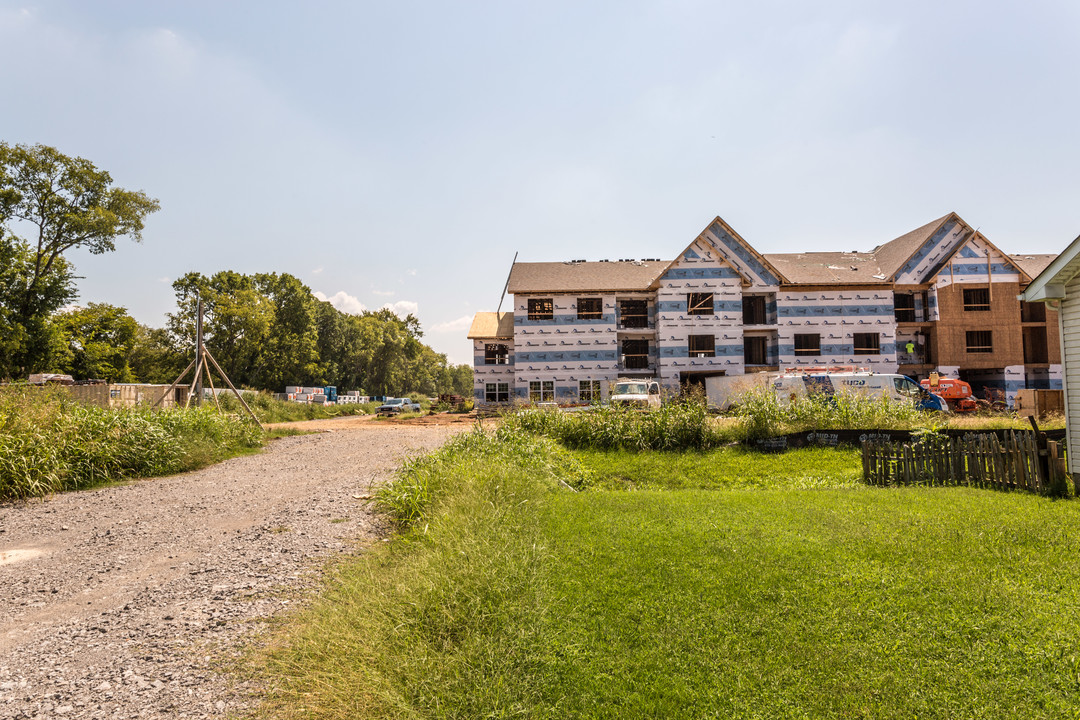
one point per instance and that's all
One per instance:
(497, 392)
(542, 390)
(589, 391)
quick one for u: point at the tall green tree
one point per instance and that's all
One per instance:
(28, 339)
(291, 350)
(237, 318)
(98, 341)
(155, 356)
(51, 203)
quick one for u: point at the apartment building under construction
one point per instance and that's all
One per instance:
(941, 297)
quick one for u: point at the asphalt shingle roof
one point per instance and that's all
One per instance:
(556, 277)
(829, 268)
(892, 255)
(1033, 265)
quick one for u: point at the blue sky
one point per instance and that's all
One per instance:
(401, 153)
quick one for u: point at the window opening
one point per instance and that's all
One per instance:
(867, 344)
(702, 345)
(541, 309)
(904, 307)
(589, 391)
(699, 304)
(635, 354)
(980, 341)
(1035, 345)
(1032, 312)
(753, 310)
(754, 350)
(497, 392)
(495, 354)
(976, 299)
(633, 314)
(590, 308)
(807, 344)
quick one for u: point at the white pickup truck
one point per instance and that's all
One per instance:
(398, 405)
(641, 394)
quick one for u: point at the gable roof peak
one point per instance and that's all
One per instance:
(743, 263)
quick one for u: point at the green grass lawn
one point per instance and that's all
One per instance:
(726, 584)
(892, 603)
(724, 468)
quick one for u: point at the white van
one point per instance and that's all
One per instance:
(897, 387)
(641, 394)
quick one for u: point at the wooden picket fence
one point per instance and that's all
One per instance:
(1019, 461)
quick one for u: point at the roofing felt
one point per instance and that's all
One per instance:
(486, 325)
(585, 276)
(1033, 265)
(892, 255)
(829, 268)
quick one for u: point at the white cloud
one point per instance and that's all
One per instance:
(411, 272)
(402, 307)
(165, 280)
(454, 326)
(316, 271)
(343, 302)
(383, 293)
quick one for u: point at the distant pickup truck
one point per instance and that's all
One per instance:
(398, 405)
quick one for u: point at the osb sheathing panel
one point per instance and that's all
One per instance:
(1003, 320)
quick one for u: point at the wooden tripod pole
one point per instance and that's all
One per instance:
(194, 382)
(196, 387)
(231, 386)
(174, 384)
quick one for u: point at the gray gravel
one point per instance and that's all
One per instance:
(133, 601)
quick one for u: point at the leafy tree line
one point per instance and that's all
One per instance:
(266, 330)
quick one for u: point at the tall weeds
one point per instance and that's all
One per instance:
(50, 443)
(675, 426)
(762, 414)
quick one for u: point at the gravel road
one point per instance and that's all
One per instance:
(131, 601)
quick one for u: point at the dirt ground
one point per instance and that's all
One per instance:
(131, 601)
(368, 421)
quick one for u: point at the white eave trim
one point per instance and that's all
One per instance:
(1043, 293)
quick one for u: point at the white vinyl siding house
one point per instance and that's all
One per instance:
(1059, 284)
